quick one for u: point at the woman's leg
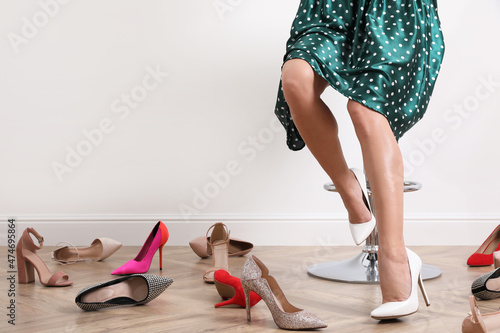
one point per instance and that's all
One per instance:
(302, 88)
(384, 169)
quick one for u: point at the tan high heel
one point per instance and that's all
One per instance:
(237, 247)
(28, 261)
(255, 277)
(219, 243)
(496, 259)
(477, 323)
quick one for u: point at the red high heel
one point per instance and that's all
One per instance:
(230, 287)
(141, 263)
(484, 255)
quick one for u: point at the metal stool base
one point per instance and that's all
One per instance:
(362, 269)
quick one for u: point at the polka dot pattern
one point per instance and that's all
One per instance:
(385, 54)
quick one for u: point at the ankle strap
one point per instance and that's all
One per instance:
(27, 239)
(62, 245)
(218, 224)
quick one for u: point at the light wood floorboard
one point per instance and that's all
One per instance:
(187, 305)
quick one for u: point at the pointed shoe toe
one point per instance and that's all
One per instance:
(109, 246)
(361, 231)
(199, 246)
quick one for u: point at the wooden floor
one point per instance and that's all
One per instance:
(187, 305)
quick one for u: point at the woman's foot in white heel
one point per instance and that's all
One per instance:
(392, 310)
(361, 231)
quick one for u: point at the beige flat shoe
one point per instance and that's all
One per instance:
(237, 247)
(100, 249)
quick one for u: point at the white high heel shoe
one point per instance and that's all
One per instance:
(361, 231)
(391, 310)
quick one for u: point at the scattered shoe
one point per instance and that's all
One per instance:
(477, 323)
(134, 289)
(141, 263)
(237, 247)
(487, 286)
(28, 261)
(100, 249)
(496, 259)
(255, 277)
(229, 288)
(219, 240)
(484, 255)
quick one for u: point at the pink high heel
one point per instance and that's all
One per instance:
(141, 263)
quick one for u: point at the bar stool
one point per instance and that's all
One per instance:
(363, 268)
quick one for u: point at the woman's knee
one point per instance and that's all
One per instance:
(297, 80)
(366, 121)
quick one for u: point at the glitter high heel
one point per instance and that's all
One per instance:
(255, 277)
(136, 289)
(487, 286)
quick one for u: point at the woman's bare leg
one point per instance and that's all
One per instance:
(384, 169)
(302, 88)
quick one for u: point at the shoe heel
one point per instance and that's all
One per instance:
(247, 291)
(164, 239)
(421, 285)
(228, 302)
(25, 270)
(161, 256)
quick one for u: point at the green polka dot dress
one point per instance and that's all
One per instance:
(385, 54)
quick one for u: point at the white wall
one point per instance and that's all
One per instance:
(216, 94)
